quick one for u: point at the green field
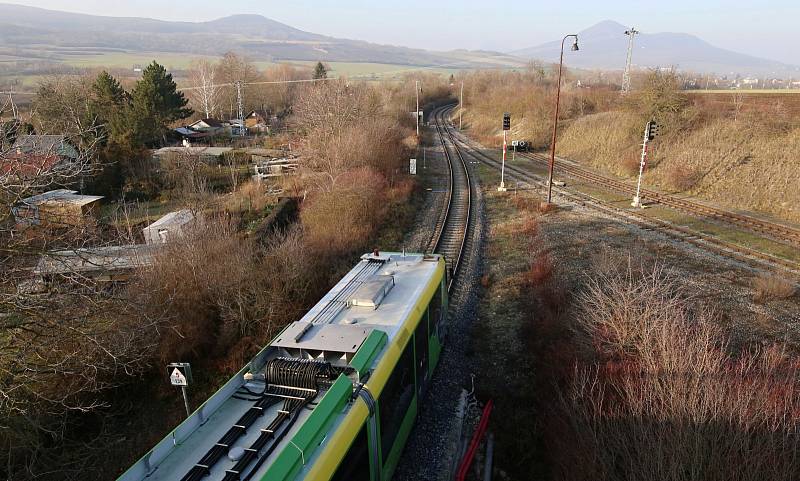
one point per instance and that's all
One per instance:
(179, 62)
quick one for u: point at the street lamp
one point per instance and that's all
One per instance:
(555, 117)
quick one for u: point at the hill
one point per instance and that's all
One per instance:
(604, 46)
(28, 33)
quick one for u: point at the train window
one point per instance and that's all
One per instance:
(355, 464)
(396, 398)
(421, 347)
(435, 311)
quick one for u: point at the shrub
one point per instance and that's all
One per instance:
(768, 287)
(342, 219)
(658, 393)
(683, 177)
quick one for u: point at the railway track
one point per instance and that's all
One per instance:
(744, 254)
(452, 229)
(770, 229)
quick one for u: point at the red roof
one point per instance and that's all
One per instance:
(28, 165)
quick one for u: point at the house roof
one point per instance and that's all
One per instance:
(179, 217)
(61, 196)
(28, 165)
(91, 259)
(214, 123)
(45, 145)
(191, 133)
(259, 113)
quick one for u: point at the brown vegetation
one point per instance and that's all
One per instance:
(657, 391)
(770, 286)
(212, 297)
(682, 177)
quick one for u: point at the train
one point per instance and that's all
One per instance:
(332, 397)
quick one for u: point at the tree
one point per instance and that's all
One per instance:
(107, 105)
(155, 104)
(205, 93)
(234, 68)
(320, 72)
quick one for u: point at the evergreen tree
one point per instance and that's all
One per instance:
(155, 103)
(108, 105)
(320, 71)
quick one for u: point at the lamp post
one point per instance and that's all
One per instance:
(555, 117)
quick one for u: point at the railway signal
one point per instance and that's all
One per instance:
(506, 128)
(650, 132)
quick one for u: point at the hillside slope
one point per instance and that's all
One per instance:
(29, 32)
(604, 46)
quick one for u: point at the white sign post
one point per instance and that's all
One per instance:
(412, 166)
(180, 374)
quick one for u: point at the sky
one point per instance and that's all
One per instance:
(766, 29)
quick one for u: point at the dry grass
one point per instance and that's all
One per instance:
(682, 177)
(248, 197)
(657, 392)
(768, 287)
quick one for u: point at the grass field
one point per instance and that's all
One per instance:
(179, 62)
(746, 91)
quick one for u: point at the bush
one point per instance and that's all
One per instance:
(658, 393)
(343, 219)
(770, 287)
(683, 177)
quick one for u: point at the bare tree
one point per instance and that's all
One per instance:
(205, 91)
(233, 68)
(65, 336)
(738, 103)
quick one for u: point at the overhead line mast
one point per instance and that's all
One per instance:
(626, 77)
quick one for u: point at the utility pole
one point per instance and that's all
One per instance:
(240, 103)
(416, 87)
(461, 108)
(14, 111)
(626, 77)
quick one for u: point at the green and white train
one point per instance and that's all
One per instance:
(332, 397)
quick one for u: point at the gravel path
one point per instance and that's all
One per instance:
(434, 176)
(430, 451)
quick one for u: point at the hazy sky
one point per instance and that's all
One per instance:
(762, 28)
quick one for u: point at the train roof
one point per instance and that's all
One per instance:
(351, 327)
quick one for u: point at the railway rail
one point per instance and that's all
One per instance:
(773, 230)
(453, 228)
(741, 253)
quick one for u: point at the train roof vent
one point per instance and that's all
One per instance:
(372, 291)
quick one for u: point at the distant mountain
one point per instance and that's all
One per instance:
(604, 46)
(28, 33)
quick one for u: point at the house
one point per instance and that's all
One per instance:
(34, 155)
(259, 121)
(56, 208)
(208, 126)
(236, 128)
(169, 227)
(45, 145)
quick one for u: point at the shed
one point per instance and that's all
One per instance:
(109, 263)
(58, 207)
(169, 227)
